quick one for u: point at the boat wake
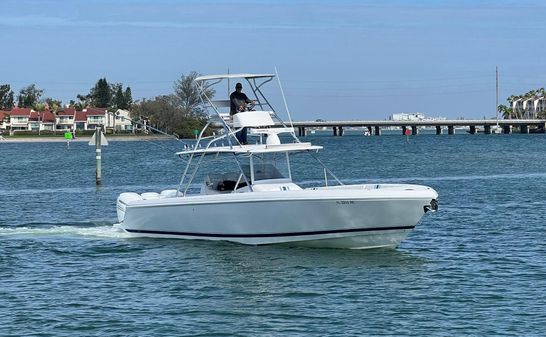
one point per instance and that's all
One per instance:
(90, 231)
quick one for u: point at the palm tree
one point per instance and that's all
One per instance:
(505, 111)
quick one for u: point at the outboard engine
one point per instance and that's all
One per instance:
(433, 207)
(123, 200)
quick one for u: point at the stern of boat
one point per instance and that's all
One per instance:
(123, 200)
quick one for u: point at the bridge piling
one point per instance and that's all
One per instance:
(487, 129)
(377, 131)
(438, 129)
(524, 128)
(414, 130)
(450, 130)
(472, 129)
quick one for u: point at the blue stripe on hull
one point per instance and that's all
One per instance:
(268, 235)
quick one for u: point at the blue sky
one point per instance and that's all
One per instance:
(337, 59)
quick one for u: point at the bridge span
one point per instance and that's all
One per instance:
(506, 126)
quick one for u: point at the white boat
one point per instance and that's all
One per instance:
(256, 202)
(496, 129)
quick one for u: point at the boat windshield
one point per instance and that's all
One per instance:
(271, 166)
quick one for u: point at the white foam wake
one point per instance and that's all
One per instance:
(97, 232)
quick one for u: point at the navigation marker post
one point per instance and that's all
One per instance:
(407, 132)
(98, 140)
(68, 137)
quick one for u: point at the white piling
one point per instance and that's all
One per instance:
(98, 157)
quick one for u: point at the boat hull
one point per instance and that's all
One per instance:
(332, 217)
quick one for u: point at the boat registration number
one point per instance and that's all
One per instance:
(345, 202)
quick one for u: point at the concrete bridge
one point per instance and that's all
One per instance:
(374, 127)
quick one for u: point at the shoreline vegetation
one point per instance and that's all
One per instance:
(60, 138)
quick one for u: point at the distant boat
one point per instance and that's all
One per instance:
(496, 129)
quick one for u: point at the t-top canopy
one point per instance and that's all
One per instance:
(220, 77)
(251, 149)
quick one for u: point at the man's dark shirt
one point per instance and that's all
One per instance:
(236, 100)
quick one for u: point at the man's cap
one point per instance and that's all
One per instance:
(238, 85)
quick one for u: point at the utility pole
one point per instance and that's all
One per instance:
(497, 92)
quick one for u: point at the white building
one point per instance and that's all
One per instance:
(26, 119)
(4, 119)
(119, 120)
(65, 119)
(528, 108)
(414, 116)
(95, 117)
(19, 119)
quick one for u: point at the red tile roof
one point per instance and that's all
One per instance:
(95, 111)
(81, 116)
(66, 112)
(20, 112)
(47, 117)
(34, 116)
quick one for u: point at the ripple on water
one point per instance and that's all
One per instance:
(476, 267)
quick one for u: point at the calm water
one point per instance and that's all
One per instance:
(477, 267)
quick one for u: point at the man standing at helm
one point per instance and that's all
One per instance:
(238, 101)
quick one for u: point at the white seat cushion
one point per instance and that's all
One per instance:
(252, 119)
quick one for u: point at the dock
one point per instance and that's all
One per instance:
(374, 127)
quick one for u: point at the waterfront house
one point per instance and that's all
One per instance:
(34, 121)
(26, 119)
(119, 121)
(19, 119)
(539, 104)
(46, 121)
(4, 119)
(80, 120)
(95, 117)
(65, 119)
